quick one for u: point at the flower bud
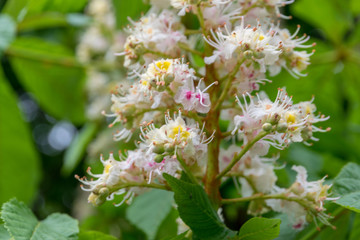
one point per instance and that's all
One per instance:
(267, 127)
(259, 55)
(159, 158)
(159, 149)
(306, 133)
(274, 119)
(248, 54)
(169, 149)
(281, 127)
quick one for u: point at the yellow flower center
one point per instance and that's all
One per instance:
(163, 66)
(290, 118)
(179, 130)
(107, 168)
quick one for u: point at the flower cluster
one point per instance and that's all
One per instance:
(238, 45)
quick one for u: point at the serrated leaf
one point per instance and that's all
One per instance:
(52, 74)
(78, 147)
(149, 210)
(196, 211)
(260, 228)
(346, 185)
(22, 224)
(4, 235)
(94, 235)
(19, 161)
(7, 31)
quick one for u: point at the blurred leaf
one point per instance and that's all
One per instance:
(77, 149)
(7, 32)
(355, 6)
(14, 8)
(149, 210)
(131, 9)
(346, 184)
(61, 6)
(180, 236)
(4, 235)
(196, 211)
(260, 228)
(355, 233)
(50, 72)
(22, 223)
(341, 224)
(328, 15)
(169, 226)
(94, 235)
(43, 20)
(302, 155)
(287, 232)
(19, 162)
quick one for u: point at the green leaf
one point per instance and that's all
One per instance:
(196, 211)
(355, 6)
(149, 210)
(260, 228)
(4, 235)
(94, 235)
(125, 9)
(7, 32)
(180, 236)
(23, 225)
(51, 73)
(78, 147)
(169, 226)
(41, 21)
(19, 161)
(328, 15)
(355, 232)
(346, 184)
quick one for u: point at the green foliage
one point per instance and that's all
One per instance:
(4, 235)
(19, 161)
(196, 211)
(149, 210)
(77, 149)
(7, 31)
(181, 236)
(355, 233)
(22, 224)
(260, 228)
(318, 12)
(50, 72)
(346, 184)
(128, 9)
(94, 235)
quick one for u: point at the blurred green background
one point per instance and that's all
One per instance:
(43, 102)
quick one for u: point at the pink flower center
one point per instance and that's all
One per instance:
(188, 95)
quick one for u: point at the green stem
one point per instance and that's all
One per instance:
(160, 54)
(142, 184)
(242, 153)
(259, 196)
(192, 31)
(228, 82)
(189, 49)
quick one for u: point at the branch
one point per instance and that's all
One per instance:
(242, 153)
(229, 79)
(189, 49)
(142, 184)
(304, 203)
